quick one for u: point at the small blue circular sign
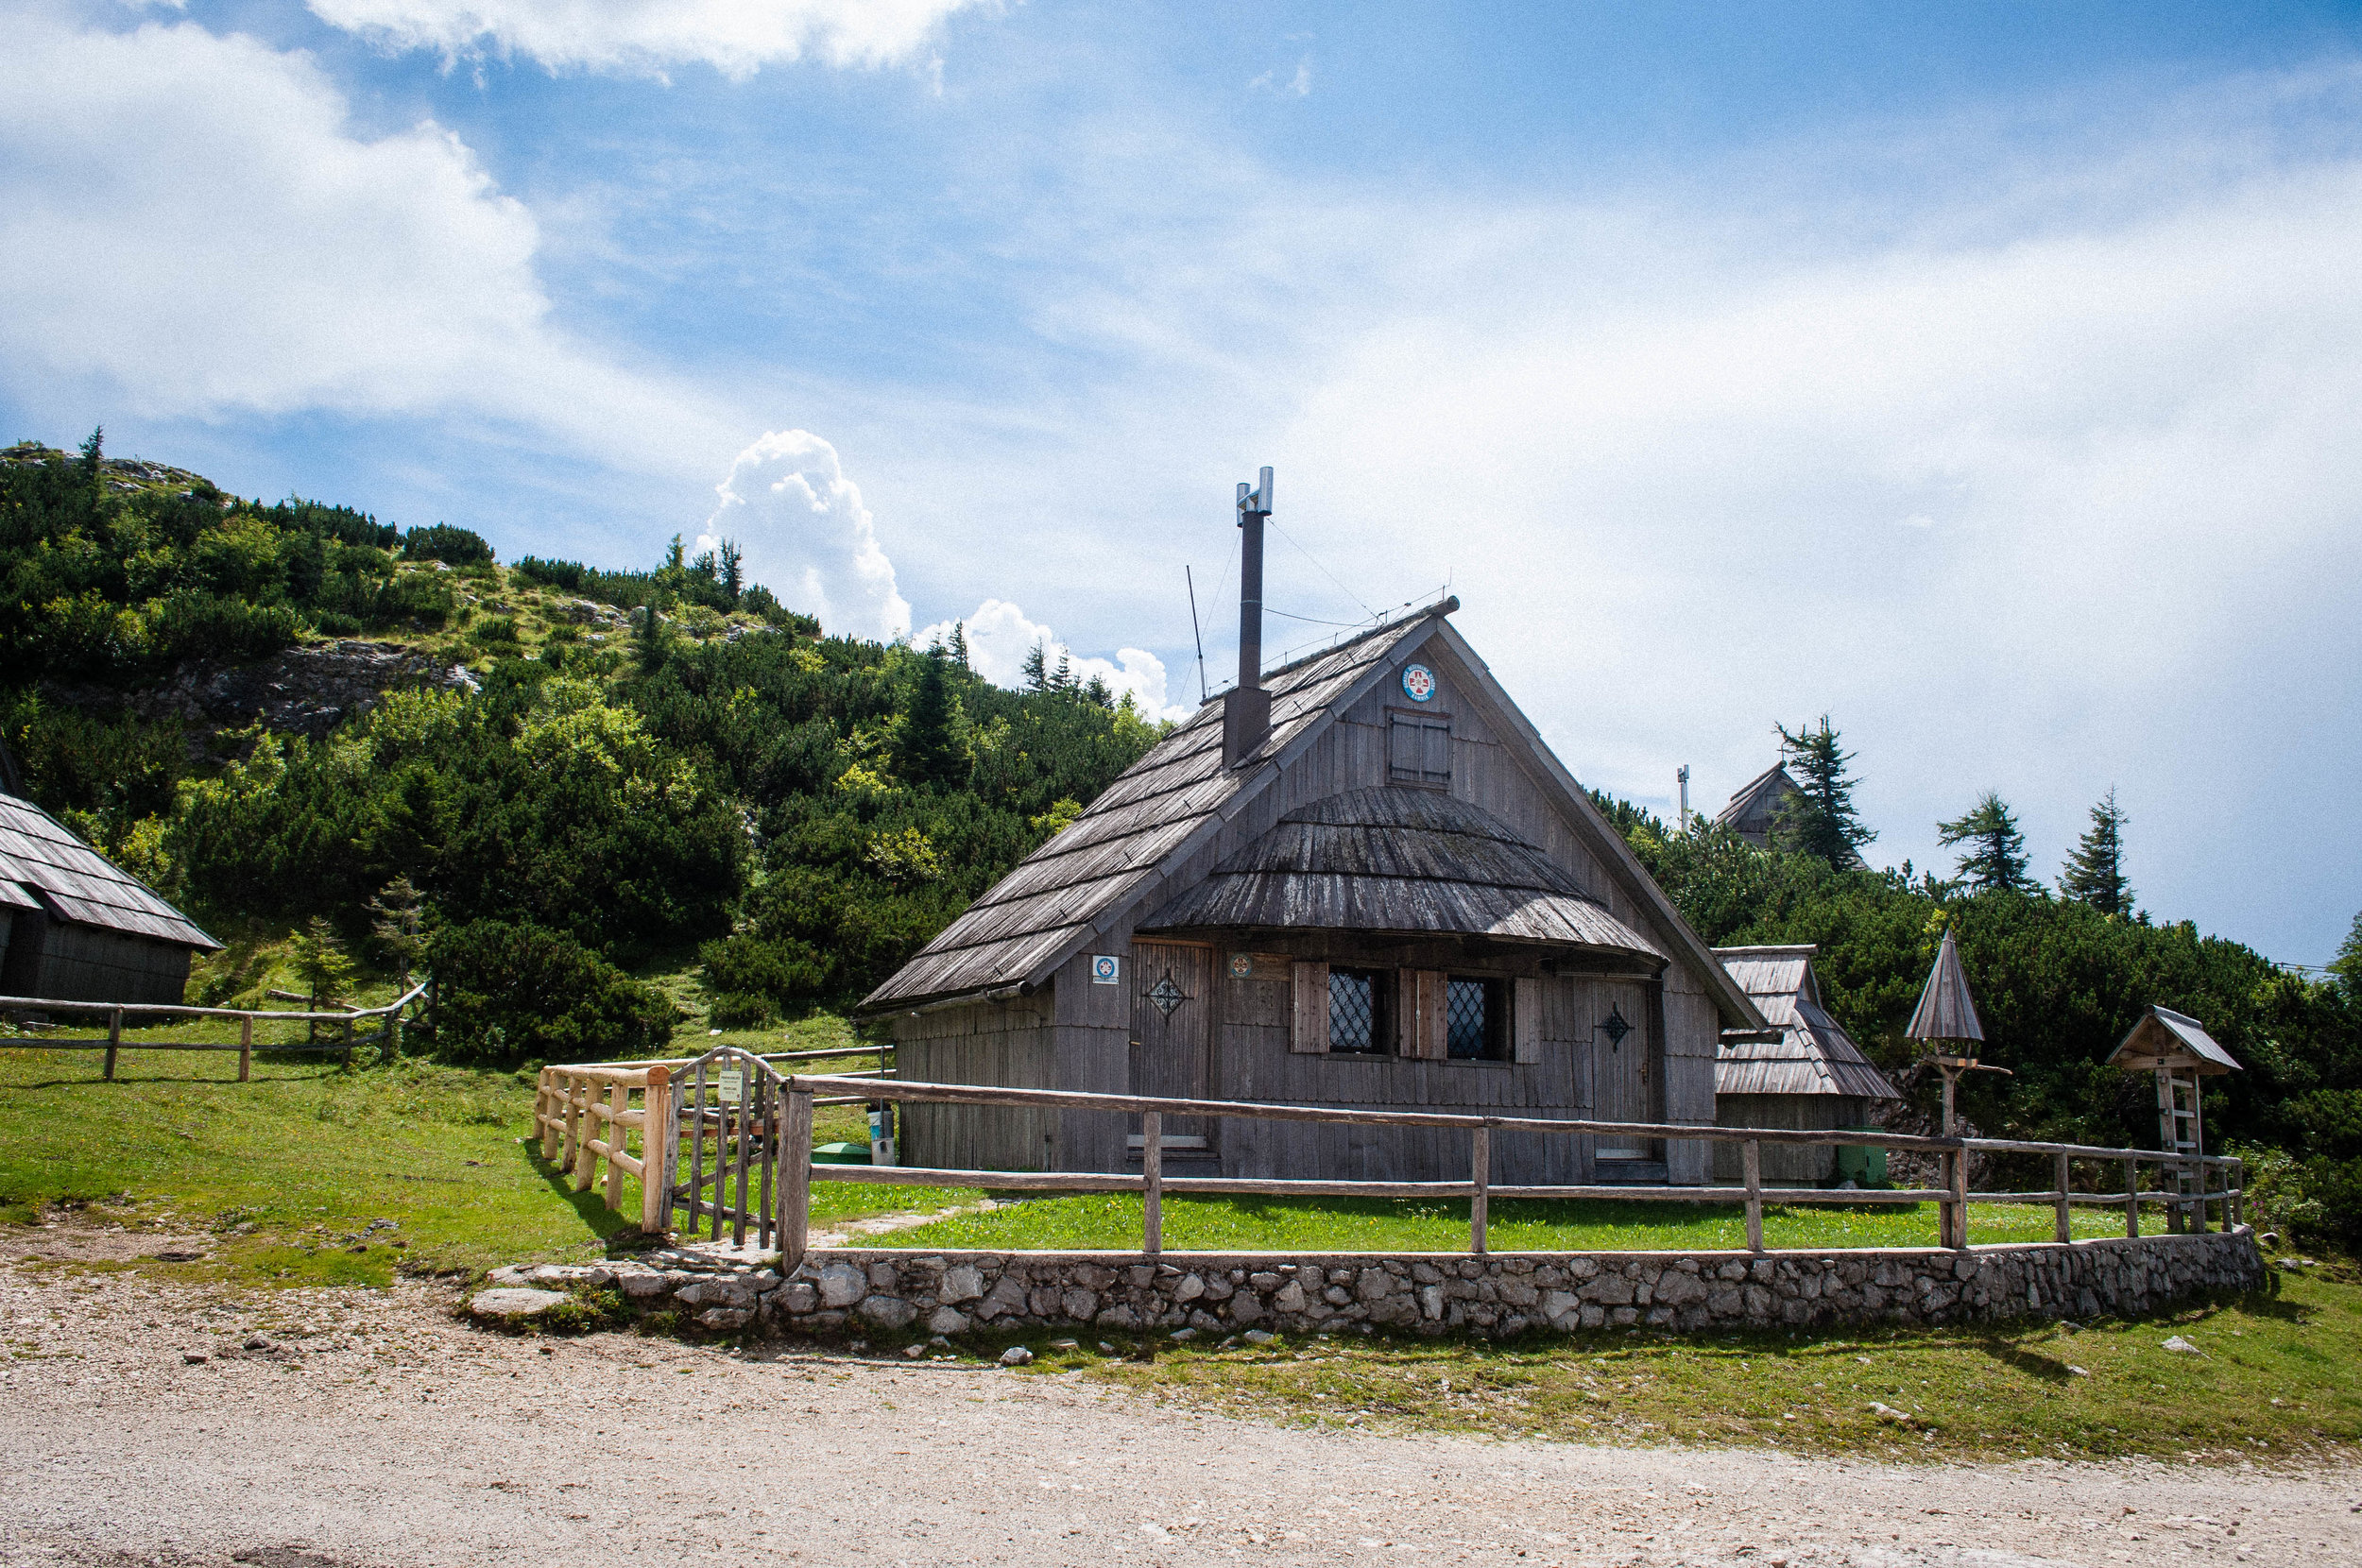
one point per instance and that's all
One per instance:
(1418, 682)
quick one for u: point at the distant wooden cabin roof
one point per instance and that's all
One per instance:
(44, 868)
(2166, 1038)
(1115, 858)
(1762, 792)
(1403, 860)
(1813, 1054)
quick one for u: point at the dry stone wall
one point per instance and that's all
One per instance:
(884, 1292)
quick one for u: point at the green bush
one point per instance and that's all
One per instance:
(508, 992)
(451, 546)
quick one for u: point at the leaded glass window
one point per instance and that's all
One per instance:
(1356, 1010)
(1475, 1018)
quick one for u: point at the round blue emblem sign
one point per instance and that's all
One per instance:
(1418, 682)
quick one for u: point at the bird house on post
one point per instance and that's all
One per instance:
(2180, 1051)
(1947, 1015)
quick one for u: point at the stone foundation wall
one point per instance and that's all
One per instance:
(861, 1291)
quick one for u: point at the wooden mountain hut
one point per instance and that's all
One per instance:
(1807, 1072)
(1359, 880)
(1755, 810)
(76, 927)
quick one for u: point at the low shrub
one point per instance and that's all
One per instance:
(506, 991)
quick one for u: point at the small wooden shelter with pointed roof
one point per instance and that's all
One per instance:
(1359, 880)
(1809, 1075)
(2178, 1049)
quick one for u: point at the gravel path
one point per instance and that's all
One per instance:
(357, 1428)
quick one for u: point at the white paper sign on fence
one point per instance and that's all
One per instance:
(730, 1086)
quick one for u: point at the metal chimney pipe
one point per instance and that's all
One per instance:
(1246, 708)
(1683, 774)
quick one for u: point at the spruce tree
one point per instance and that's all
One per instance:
(733, 571)
(1820, 818)
(2095, 872)
(2347, 965)
(958, 646)
(1038, 668)
(928, 753)
(1996, 852)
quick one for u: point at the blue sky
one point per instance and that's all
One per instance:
(1985, 376)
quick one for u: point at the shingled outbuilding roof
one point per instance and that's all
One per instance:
(1812, 1054)
(1403, 860)
(47, 869)
(1118, 857)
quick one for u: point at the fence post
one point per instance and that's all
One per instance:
(1152, 1182)
(655, 1166)
(583, 1126)
(2059, 1171)
(794, 1179)
(1959, 1198)
(2132, 1200)
(545, 1108)
(1481, 1188)
(246, 1047)
(1750, 1163)
(114, 1038)
(618, 1099)
(2234, 1199)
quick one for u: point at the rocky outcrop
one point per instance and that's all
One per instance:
(899, 1293)
(307, 689)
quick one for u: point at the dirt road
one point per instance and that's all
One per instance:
(353, 1429)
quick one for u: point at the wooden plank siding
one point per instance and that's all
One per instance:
(1004, 1043)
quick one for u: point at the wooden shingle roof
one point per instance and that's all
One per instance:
(44, 867)
(1406, 861)
(1032, 919)
(1812, 1055)
(1946, 1011)
(2166, 1038)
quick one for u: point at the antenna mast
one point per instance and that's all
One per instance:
(1191, 583)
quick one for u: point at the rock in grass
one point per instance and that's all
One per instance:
(1261, 1336)
(1016, 1356)
(513, 1303)
(2182, 1347)
(1888, 1412)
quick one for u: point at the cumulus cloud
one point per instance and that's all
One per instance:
(807, 535)
(735, 37)
(999, 636)
(188, 223)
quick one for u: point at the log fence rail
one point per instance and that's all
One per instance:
(386, 1037)
(736, 1118)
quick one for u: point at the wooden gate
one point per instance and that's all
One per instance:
(732, 1117)
(1172, 1036)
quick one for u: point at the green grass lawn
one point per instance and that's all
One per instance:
(1379, 1225)
(286, 1171)
(2279, 1374)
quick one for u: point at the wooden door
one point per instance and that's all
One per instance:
(1172, 1036)
(1620, 1049)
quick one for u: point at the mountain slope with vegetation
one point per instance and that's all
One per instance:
(627, 769)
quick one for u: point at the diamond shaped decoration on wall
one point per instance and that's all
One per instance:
(1165, 994)
(1616, 1027)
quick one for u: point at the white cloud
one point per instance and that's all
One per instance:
(1297, 86)
(807, 535)
(735, 37)
(999, 636)
(189, 226)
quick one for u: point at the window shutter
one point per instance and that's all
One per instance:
(1421, 1019)
(1310, 1036)
(1525, 1018)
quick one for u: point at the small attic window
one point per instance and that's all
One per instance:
(1418, 749)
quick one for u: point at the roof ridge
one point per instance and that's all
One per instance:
(1444, 605)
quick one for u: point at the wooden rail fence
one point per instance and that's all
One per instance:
(735, 1117)
(386, 1037)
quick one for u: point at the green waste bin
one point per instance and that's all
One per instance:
(1863, 1165)
(841, 1153)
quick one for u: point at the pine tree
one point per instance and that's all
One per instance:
(399, 923)
(92, 452)
(1820, 818)
(1062, 678)
(733, 571)
(2095, 872)
(1038, 668)
(655, 640)
(2347, 965)
(928, 753)
(958, 646)
(1996, 853)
